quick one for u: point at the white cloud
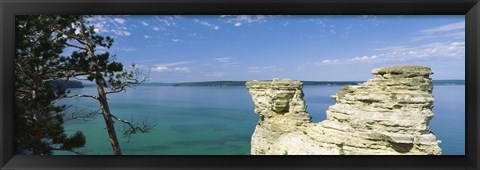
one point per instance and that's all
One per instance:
(160, 68)
(263, 69)
(445, 28)
(168, 21)
(457, 35)
(454, 30)
(121, 32)
(203, 23)
(182, 69)
(215, 74)
(119, 20)
(333, 31)
(177, 63)
(374, 21)
(196, 35)
(239, 20)
(396, 48)
(349, 27)
(177, 40)
(147, 36)
(318, 21)
(453, 50)
(328, 28)
(99, 28)
(161, 23)
(207, 24)
(109, 24)
(172, 67)
(364, 58)
(421, 37)
(223, 59)
(320, 63)
(127, 49)
(155, 28)
(326, 62)
(99, 22)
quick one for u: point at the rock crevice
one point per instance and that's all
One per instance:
(386, 115)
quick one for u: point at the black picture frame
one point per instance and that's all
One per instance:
(10, 8)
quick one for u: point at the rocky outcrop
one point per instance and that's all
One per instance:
(387, 115)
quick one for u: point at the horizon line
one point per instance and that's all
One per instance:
(280, 79)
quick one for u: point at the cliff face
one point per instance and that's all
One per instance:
(387, 115)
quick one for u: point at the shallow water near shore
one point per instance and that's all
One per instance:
(221, 120)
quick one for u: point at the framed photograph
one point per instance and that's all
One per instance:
(239, 85)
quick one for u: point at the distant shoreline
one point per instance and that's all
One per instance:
(242, 83)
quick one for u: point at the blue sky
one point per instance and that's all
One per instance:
(261, 47)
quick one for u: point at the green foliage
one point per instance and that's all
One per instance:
(341, 151)
(39, 123)
(97, 65)
(40, 44)
(102, 68)
(74, 141)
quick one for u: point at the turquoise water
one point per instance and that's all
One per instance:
(221, 120)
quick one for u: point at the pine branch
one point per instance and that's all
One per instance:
(129, 81)
(74, 36)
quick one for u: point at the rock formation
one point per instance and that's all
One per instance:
(387, 115)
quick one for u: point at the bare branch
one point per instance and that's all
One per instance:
(75, 46)
(73, 96)
(91, 115)
(132, 127)
(82, 95)
(119, 88)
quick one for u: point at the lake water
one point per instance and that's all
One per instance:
(221, 120)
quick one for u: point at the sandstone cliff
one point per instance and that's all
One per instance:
(387, 115)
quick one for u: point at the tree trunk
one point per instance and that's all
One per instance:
(102, 98)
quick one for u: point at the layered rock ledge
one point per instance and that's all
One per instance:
(387, 115)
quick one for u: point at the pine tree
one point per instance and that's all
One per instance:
(39, 123)
(108, 75)
(40, 43)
